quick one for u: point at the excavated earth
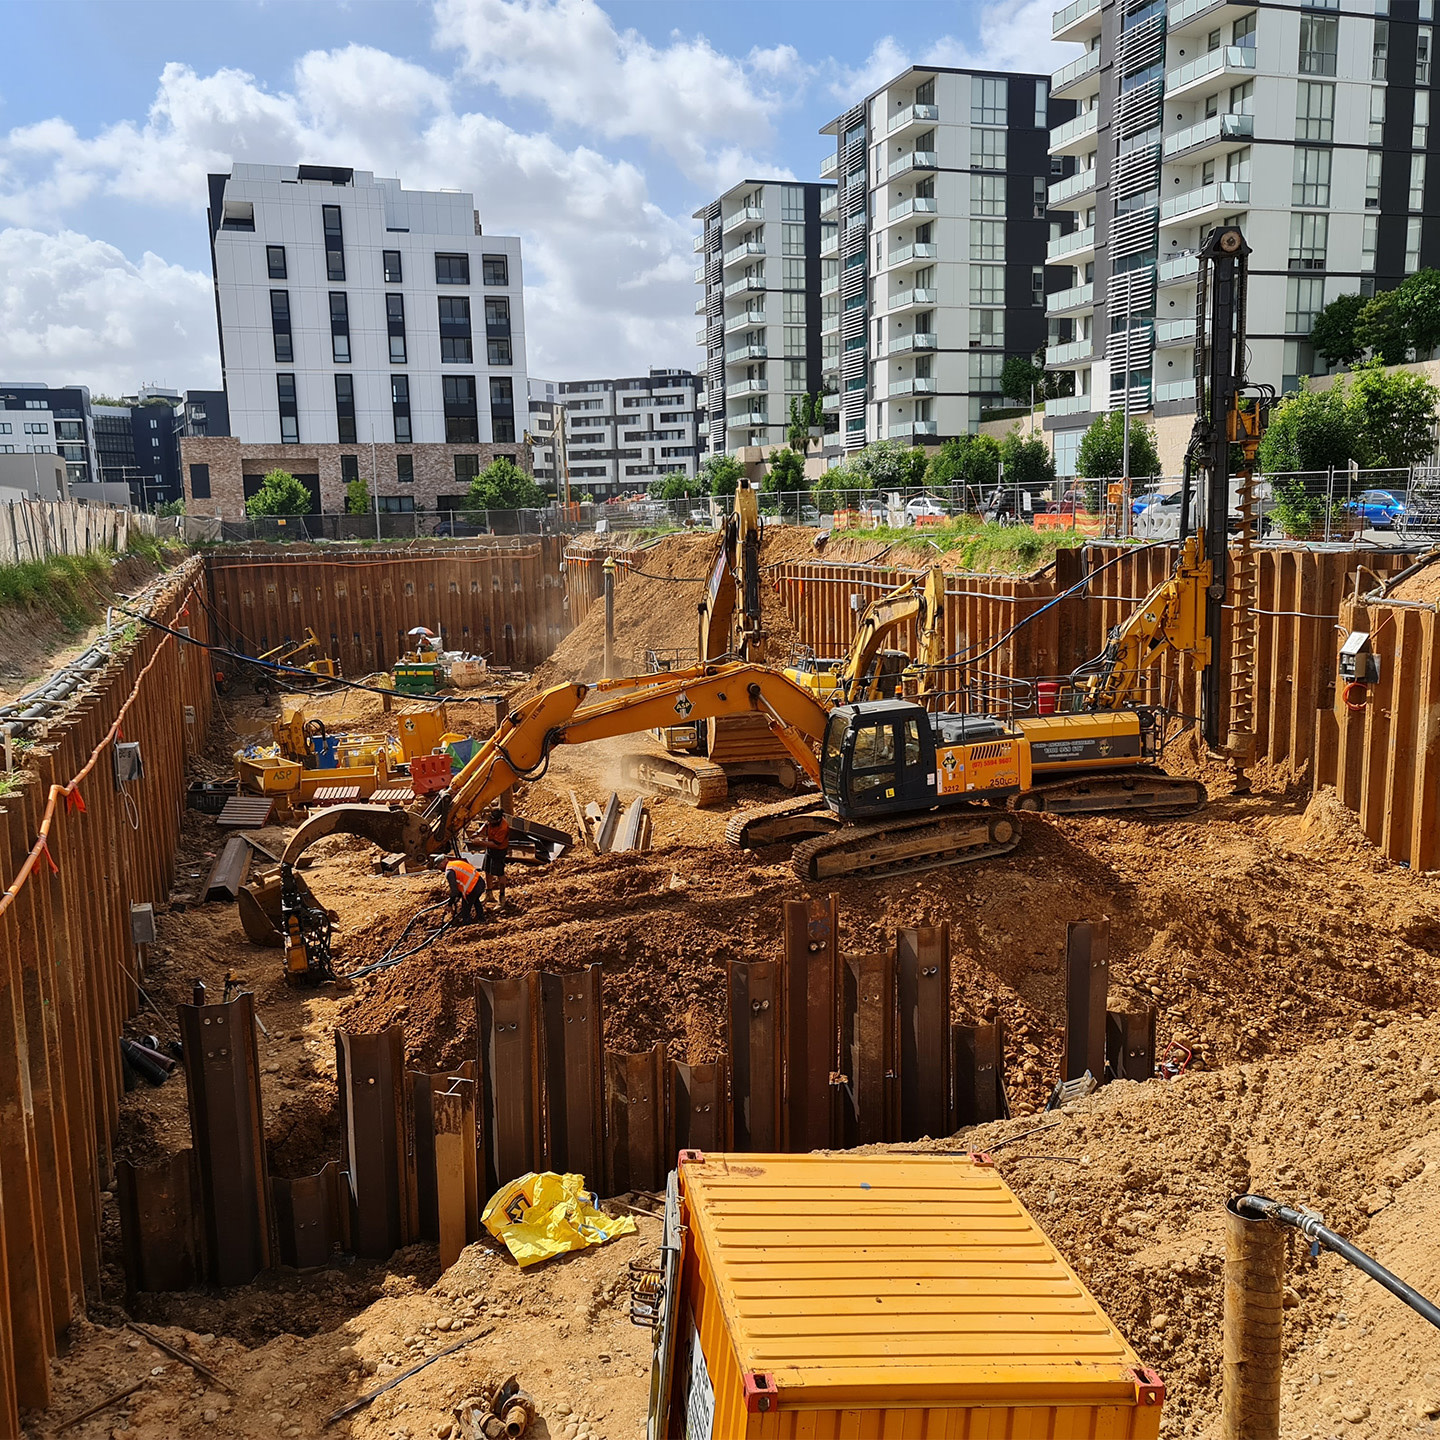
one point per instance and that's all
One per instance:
(1274, 940)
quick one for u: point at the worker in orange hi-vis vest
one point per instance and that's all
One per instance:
(495, 842)
(467, 890)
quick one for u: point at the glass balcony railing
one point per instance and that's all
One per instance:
(1175, 268)
(1068, 405)
(829, 165)
(1221, 194)
(916, 296)
(906, 254)
(1216, 128)
(1075, 10)
(1075, 71)
(1085, 123)
(746, 282)
(916, 160)
(1057, 356)
(1077, 297)
(902, 344)
(902, 429)
(741, 252)
(912, 115)
(1175, 390)
(1072, 185)
(750, 215)
(1217, 63)
(918, 205)
(1175, 332)
(916, 385)
(746, 352)
(1075, 242)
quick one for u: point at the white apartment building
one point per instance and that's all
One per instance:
(354, 313)
(544, 406)
(624, 435)
(1308, 126)
(937, 272)
(761, 247)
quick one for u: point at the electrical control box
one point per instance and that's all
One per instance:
(1357, 660)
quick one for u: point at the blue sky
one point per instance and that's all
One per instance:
(591, 131)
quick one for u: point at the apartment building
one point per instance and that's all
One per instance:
(366, 331)
(624, 435)
(937, 270)
(40, 419)
(762, 246)
(1306, 125)
(540, 431)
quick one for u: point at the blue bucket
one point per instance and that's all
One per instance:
(325, 747)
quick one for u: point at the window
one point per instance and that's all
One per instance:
(1369, 231)
(334, 242)
(1319, 43)
(395, 325)
(1372, 180)
(400, 408)
(794, 340)
(985, 373)
(1420, 121)
(1423, 37)
(1308, 235)
(989, 100)
(1380, 50)
(1311, 183)
(345, 408)
(455, 338)
(462, 425)
(987, 328)
(1242, 98)
(502, 409)
(467, 468)
(1314, 111)
(987, 194)
(497, 316)
(792, 202)
(1243, 32)
(340, 327)
(280, 326)
(795, 375)
(793, 309)
(275, 262)
(289, 412)
(495, 269)
(499, 352)
(792, 240)
(1412, 244)
(987, 240)
(1377, 115)
(1417, 182)
(452, 269)
(1304, 299)
(987, 149)
(987, 284)
(349, 468)
(394, 274)
(1237, 164)
(1042, 104)
(4, 427)
(405, 469)
(199, 482)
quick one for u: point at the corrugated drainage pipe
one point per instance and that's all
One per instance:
(1254, 1325)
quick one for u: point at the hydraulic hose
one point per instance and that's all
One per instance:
(1314, 1229)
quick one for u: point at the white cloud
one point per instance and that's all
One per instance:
(706, 110)
(75, 310)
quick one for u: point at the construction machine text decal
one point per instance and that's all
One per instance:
(978, 767)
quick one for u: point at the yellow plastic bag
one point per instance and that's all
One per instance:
(545, 1214)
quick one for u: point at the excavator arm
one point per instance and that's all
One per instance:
(734, 587)
(917, 600)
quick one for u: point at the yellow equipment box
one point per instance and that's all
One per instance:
(829, 1296)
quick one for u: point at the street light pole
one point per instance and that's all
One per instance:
(375, 479)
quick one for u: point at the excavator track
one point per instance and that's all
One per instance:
(697, 780)
(781, 823)
(1142, 791)
(904, 847)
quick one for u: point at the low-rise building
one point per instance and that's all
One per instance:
(623, 435)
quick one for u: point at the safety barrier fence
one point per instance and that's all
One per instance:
(40, 529)
(505, 602)
(89, 823)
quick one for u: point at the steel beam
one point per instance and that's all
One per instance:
(222, 1076)
(457, 1199)
(699, 1109)
(376, 1139)
(979, 1068)
(161, 1238)
(1130, 1044)
(812, 1024)
(1087, 987)
(635, 1113)
(868, 1048)
(506, 1014)
(922, 964)
(423, 1090)
(752, 1032)
(573, 1026)
(312, 1216)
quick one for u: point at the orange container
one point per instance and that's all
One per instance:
(857, 1296)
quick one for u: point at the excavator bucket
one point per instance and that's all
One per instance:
(259, 903)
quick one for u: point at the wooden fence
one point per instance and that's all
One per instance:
(37, 529)
(503, 602)
(78, 851)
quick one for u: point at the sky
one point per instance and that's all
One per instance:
(591, 131)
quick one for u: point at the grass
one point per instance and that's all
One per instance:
(985, 546)
(65, 585)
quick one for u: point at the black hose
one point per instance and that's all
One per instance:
(1314, 1229)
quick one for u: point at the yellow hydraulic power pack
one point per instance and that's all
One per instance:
(858, 1296)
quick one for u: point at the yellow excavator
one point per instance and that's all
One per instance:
(269, 681)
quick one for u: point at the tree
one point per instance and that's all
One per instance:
(357, 497)
(721, 474)
(947, 465)
(1308, 431)
(980, 468)
(1101, 454)
(1018, 375)
(1381, 330)
(680, 486)
(1417, 301)
(1335, 333)
(170, 509)
(807, 412)
(1027, 462)
(1392, 415)
(280, 493)
(503, 485)
(889, 465)
(785, 472)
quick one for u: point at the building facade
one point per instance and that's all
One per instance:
(938, 265)
(356, 316)
(544, 407)
(39, 419)
(622, 436)
(1308, 126)
(762, 246)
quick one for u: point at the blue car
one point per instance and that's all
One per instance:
(1379, 509)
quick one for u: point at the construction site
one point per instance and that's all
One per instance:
(748, 982)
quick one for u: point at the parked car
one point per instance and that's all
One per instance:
(924, 505)
(1379, 509)
(1144, 501)
(875, 508)
(699, 517)
(455, 526)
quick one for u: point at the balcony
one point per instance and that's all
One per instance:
(746, 352)
(1169, 333)
(747, 387)
(830, 245)
(750, 215)
(912, 115)
(745, 419)
(1077, 297)
(1061, 357)
(829, 284)
(919, 205)
(1074, 135)
(1210, 72)
(1218, 198)
(1209, 137)
(698, 243)
(904, 429)
(1210, 13)
(745, 283)
(1082, 182)
(829, 165)
(916, 160)
(829, 199)
(743, 251)
(699, 274)
(830, 404)
(1079, 75)
(744, 321)
(829, 324)
(914, 299)
(916, 385)
(700, 306)
(1068, 405)
(1081, 16)
(917, 254)
(1177, 269)
(699, 337)
(904, 344)
(1174, 390)
(1070, 249)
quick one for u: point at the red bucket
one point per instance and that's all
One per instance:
(1047, 696)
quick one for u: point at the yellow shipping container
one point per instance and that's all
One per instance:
(843, 1297)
